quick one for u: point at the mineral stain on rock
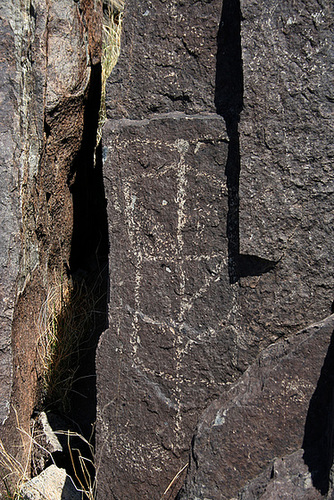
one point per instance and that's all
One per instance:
(50, 52)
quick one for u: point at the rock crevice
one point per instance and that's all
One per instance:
(52, 50)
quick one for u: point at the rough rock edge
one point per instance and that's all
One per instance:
(52, 484)
(250, 414)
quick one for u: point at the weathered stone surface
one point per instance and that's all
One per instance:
(286, 148)
(45, 443)
(51, 484)
(286, 478)
(165, 152)
(177, 58)
(282, 403)
(45, 77)
(168, 59)
(169, 290)
(9, 207)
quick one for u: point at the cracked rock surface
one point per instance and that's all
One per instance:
(219, 207)
(47, 52)
(281, 404)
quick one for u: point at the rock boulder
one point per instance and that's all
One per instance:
(281, 404)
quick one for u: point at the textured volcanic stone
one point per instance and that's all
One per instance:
(286, 478)
(169, 286)
(286, 143)
(168, 59)
(178, 65)
(165, 354)
(269, 413)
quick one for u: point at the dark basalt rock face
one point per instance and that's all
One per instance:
(219, 186)
(282, 403)
(165, 151)
(216, 247)
(168, 59)
(285, 478)
(286, 177)
(164, 354)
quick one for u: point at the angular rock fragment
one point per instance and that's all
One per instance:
(45, 443)
(51, 484)
(282, 403)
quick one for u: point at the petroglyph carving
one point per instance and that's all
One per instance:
(170, 292)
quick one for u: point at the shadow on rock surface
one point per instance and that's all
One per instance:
(229, 101)
(318, 437)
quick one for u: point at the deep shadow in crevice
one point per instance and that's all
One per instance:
(71, 400)
(252, 265)
(89, 255)
(90, 227)
(229, 104)
(318, 436)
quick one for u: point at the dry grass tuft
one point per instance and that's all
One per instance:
(83, 466)
(111, 46)
(15, 473)
(65, 323)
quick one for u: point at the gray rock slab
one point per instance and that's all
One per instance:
(51, 484)
(9, 206)
(281, 404)
(165, 354)
(49, 436)
(45, 443)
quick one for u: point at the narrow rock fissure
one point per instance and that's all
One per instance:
(229, 104)
(87, 303)
(89, 255)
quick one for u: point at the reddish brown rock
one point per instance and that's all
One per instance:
(46, 72)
